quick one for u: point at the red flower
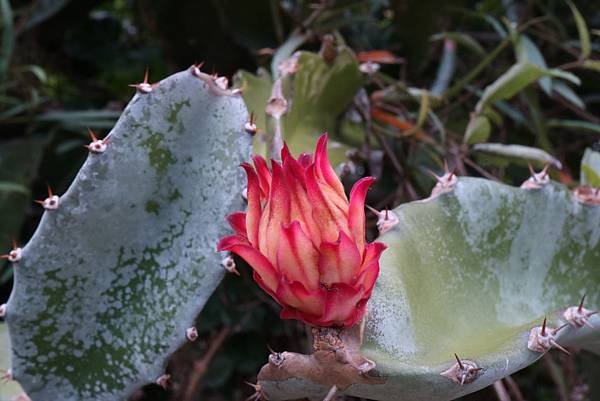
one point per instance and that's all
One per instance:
(305, 240)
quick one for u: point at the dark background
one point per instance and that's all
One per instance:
(68, 57)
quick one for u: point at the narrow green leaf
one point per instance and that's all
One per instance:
(478, 130)
(575, 125)
(38, 71)
(7, 186)
(517, 78)
(527, 51)
(518, 152)
(569, 94)
(590, 168)
(584, 34)
(446, 69)
(567, 76)
(423, 110)
(592, 65)
(508, 84)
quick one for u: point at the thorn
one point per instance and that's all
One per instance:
(531, 171)
(587, 322)
(544, 328)
(386, 213)
(556, 330)
(15, 253)
(229, 264)
(580, 309)
(96, 146)
(144, 86)
(196, 69)
(544, 172)
(51, 202)
(372, 209)
(92, 135)
(254, 386)
(250, 126)
(7, 376)
(433, 175)
(462, 380)
(557, 345)
(460, 365)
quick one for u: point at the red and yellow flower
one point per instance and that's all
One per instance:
(305, 240)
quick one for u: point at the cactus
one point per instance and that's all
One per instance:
(469, 278)
(122, 263)
(316, 92)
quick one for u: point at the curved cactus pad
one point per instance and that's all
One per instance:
(471, 272)
(112, 278)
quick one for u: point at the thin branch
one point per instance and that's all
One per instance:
(480, 170)
(331, 393)
(201, 366)
(501, 391)
(514, 389)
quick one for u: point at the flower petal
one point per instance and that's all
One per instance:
(277, 212)
(324, 169)
(305, 159)
(237, 221)
(356, 212)
(297, 257)
(229, 241)
(339, 262)
(254, 205)
(341, 305)
(368, 277)
(255, 259)
(293, 294)
(300, 206)
(372, 253)
(330, 219)
(264, 175)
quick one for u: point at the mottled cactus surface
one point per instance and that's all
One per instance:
(113, 277)
(470, 271)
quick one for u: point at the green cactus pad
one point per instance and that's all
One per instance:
(318, 93)
(111, 280)
(470, 272)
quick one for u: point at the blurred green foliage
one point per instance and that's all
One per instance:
(459, 81)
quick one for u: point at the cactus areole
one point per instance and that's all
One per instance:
(305, 239)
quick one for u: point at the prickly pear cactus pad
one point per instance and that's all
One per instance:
(114, 275)
(472, 271)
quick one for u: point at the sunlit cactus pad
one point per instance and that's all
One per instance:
(471, 272)
(111, 279)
